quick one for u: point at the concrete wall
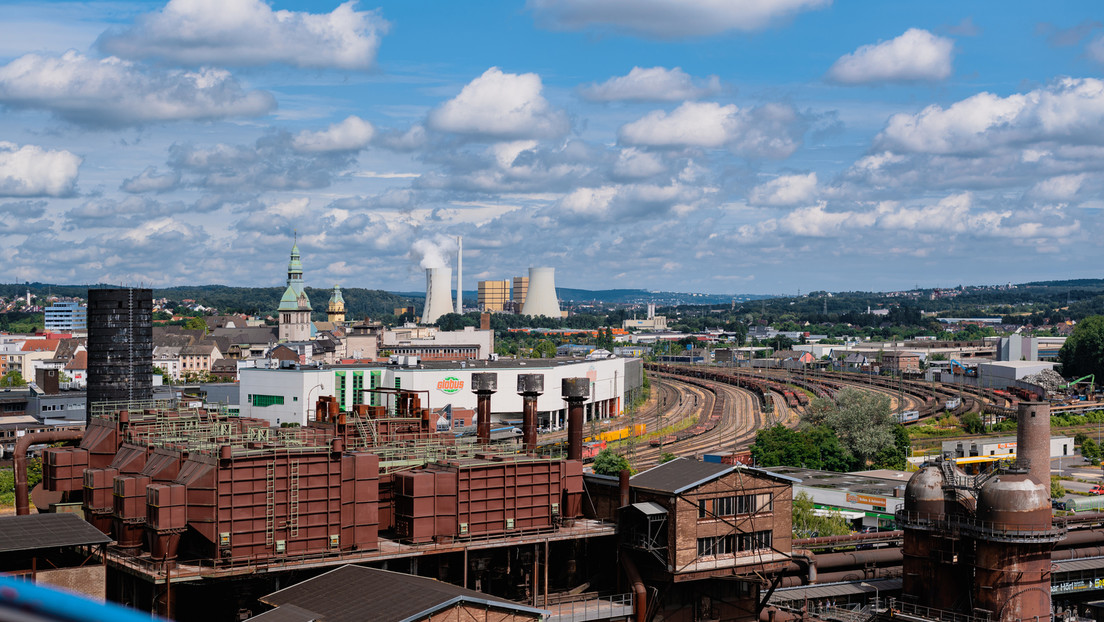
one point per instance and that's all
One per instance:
(300, 388)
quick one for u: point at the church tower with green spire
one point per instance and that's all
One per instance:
(295, 307)
(335, 310)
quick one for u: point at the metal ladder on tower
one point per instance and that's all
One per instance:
(270, 502)
(365, 430)
(293, 500)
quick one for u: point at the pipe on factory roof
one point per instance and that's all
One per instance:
(22, 500)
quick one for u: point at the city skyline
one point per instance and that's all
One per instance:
(757, 147)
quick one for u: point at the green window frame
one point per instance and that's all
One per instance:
(263, 401)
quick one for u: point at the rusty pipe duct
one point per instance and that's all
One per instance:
(575, 392)
(22, 501)
(855, 537)
(640, 593)
(529, 387)
(484, 385)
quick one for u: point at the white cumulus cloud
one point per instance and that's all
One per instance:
(500, 105)
(31, 171)
(668, 18)
(150, 180)
(113, 92)
(652, 84)
(1069, 110)
(785, 190)
(249, 33)
(352, 134)
(772, 130)
(915, 56)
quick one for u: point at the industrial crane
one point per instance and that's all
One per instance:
(1092, 382)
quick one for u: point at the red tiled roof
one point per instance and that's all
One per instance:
(80, 361)
(40, 345)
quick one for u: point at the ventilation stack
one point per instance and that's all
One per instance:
(484, 385)
(575, 392)
(459, 275)
(529, 387)
(438, 294)
(541, 297)
(1033, 440)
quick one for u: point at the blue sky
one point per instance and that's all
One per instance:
(758, 146)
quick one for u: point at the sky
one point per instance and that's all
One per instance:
(717, 146)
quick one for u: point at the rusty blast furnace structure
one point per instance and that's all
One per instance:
(981, 545)
(207, 507)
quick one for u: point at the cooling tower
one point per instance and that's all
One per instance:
(541, 297)
(438, 294)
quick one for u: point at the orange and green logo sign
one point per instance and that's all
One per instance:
(450, 385)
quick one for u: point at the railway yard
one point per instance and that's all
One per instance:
(696, 410)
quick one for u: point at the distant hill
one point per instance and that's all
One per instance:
(250, 300)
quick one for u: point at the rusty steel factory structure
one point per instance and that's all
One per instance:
(993, 532)
(208, 510)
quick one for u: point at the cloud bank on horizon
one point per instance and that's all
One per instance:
(691, 145)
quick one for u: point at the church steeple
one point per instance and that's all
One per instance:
(295, 307)
(335, 311)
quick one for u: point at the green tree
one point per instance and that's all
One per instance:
(609, 463)
(863, 423)
(1083, 352)
(196, 323)
(806, 523)
(1057, 490)
(896, 455)
(13, 379)
(972, 424)
(814, 447)
(1090, 450)
(545, 349)
(667, 457)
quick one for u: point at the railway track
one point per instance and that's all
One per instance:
(929, 399)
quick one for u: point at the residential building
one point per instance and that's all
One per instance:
(431, 344)
(900, 361)
(77, 369)
(197, 359)
(519, 291)
(494, 296)
(362, 340)
(167, 359)
(66, 317)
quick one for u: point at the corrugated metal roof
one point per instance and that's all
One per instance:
(650, 508)
(44, 531)
(350, 593)
(830, 590)
(1075, 565)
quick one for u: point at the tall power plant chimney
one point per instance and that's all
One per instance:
(438, 294)
(459, 275)
(541, 297)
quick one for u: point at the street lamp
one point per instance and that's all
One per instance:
(865, 584)
(317, 386)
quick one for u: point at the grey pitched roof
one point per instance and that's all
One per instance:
(262, 335)
(682, 474)
(355, 593)
(287, 613)
(43, 531)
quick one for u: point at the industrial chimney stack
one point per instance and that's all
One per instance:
(459, 275)
(541, 297)
(438, 294)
